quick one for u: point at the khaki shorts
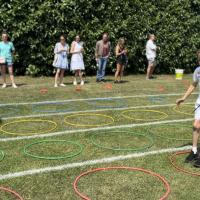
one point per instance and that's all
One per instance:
(152, 61)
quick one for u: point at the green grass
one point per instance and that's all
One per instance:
(113, 185)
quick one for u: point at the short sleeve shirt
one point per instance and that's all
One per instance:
(150, 49)
(6, 50)
(196, 75)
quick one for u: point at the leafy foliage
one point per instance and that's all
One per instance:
(35, 26)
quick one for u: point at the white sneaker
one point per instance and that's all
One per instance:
(75, 83)
(4, 85)
(62, 85)
(82, 82)
(14, 85)
(56, 85)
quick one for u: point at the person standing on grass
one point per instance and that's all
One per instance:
(121, 54)
(77, 64)
(102, 53)
(7, 51)
(61, 52)
(151, 49)
(193, 156)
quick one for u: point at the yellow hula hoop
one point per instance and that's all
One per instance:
(164, 115)
(178, 111)
(89, 125)
(2, 128)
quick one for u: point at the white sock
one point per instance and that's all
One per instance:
(194, 149)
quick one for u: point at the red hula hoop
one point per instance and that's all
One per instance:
(83, 196)
(15, 194)
(173, 163)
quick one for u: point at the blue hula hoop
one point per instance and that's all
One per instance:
(36, 107)
(117, 103)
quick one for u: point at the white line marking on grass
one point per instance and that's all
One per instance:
(88, 111)
(92, 129)
(90, 99)
(88, 163)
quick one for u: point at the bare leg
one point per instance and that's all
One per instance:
(149, 70)
(57, 76)
(10, 70)
(195, 137)
(3, 73)
(152, 70)
(121, 72)
(62, 72)
(80, 75)
(117, 72)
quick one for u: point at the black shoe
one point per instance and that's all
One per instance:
(98, 80)
(197, 163)
(152, 77)
(191, 157)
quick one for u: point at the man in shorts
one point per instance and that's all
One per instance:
(151, 49)
(194, 156)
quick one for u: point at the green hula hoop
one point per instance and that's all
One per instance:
(163, 115)
(54, 126)
(93, 137)
(69, 155)
(2, 155)
(169, 138)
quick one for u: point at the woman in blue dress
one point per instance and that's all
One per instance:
(6, 59)
(61, 52)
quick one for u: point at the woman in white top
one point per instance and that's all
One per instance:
(151, 49)
(61, 52)
(77, 63)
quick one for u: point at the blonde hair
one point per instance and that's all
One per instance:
(121, 43)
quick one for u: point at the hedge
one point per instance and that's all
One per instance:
(35, 27)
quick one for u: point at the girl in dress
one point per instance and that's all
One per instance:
(121, 54)
(61, 52)
(77, 63)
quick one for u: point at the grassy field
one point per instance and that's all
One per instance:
(69, 131)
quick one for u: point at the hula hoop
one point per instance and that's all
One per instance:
(185, 113)
(121, 149)
(178, 168)
(2, 155)
(118, 103)
(161, 178)
(35, 108)
(14, 111)
(89, 125)
(156, 99)
(168, 138)
(25, 151)
(164, 115)
(30, 133)
(15, 194)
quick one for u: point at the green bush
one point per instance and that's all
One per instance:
(35, 26)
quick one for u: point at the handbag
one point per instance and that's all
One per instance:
(55, 60)
(2, 60)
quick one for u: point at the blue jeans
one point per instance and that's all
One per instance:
(101, 68)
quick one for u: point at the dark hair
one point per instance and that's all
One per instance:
(105, 33)
(63, 36)
(6, 33)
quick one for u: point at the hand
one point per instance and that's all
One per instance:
(179, 101)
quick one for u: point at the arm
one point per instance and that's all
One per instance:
(117, 51)
(96, 50)
(72, 51)
(12, 49)
(187, 94)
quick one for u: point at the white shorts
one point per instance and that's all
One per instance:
(197, 111)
